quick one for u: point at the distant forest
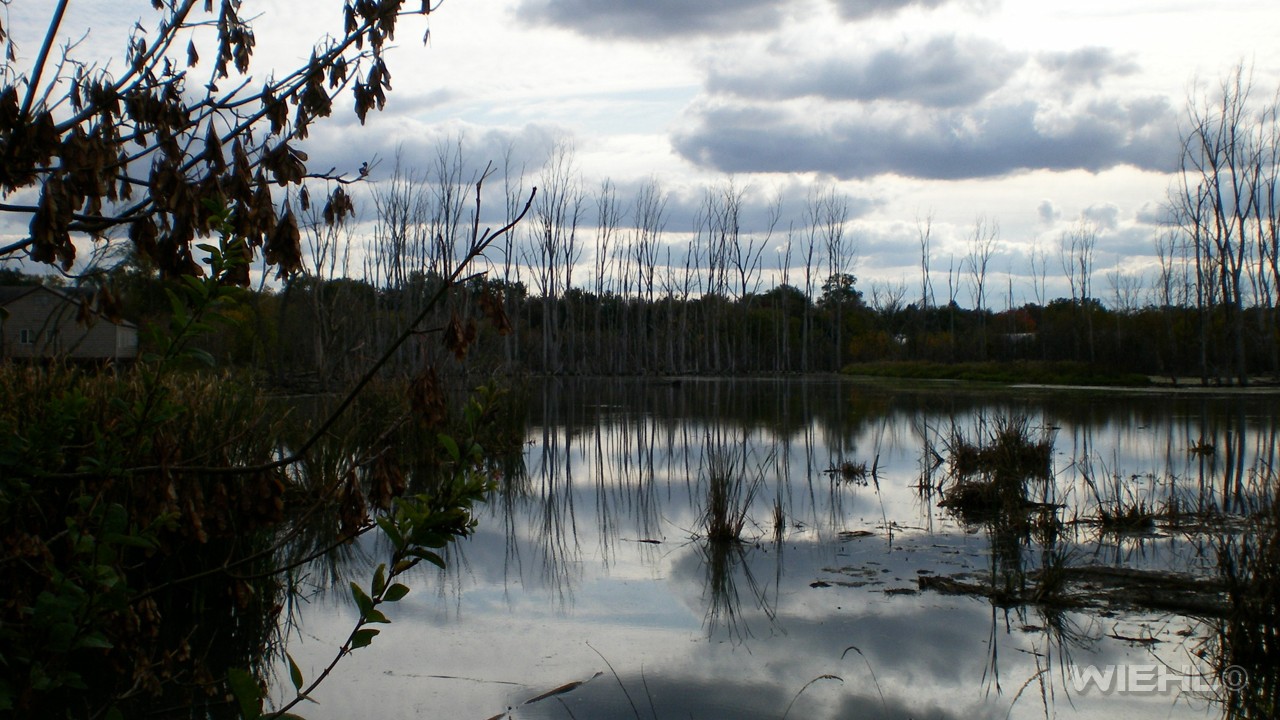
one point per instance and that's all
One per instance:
(316, 333)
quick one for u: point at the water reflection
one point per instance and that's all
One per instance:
(597, 543)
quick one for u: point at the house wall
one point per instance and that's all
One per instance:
(50, 322)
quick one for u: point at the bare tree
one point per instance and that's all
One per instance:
(982, 245)
(609, 216)
(649, 215)
(781, 305)
(1226, 206)
(555, 249)
(1039, 271)
(1076, 255)
(924, 231)
(887, 298)
(1126, 289)
(512, 287)
(828, 220)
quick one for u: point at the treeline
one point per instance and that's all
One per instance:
(320, 334)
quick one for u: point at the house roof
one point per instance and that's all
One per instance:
(10, 293)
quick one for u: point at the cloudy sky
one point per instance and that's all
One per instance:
(1033, 115)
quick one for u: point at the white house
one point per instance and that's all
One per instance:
(43, 322)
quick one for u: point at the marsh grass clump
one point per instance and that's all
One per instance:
(1248, 636)
(1123, 506)
(850, 471)
(1012, 448)
(731, 488)
(991, 476)
(1126, 517)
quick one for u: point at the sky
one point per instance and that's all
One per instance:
(1028, 116)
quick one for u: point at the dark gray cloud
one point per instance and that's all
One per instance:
(1154, 213)
(658, 19)
(864, 9)
(1105, 216)
(1049, 213)
(943, 72)
(943, 145)
(1087, 66)
(1123, 243)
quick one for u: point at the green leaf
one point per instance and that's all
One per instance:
(247, 692)
(196, 284)
(115, 519)
(362, 638)
(178, 307)
(396, 592)
(429, 556)
(380, 579)
(375, 616)
(295, 673)
(450, 446)
(138, 541)
(363, 602)
(391, 531)
(203, 356)
(94, 640)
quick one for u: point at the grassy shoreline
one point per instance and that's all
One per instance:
(1022, 371)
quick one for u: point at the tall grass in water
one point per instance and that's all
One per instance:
(1011, 450)
(731, 488)
(991, 475)
(1246, 646)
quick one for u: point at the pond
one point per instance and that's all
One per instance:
(861, 587)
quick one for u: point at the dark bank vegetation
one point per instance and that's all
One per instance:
(151, 517)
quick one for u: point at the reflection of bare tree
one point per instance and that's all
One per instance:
(1245, 645)
(727, 574)
(556, 530)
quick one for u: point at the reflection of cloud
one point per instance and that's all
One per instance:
(666, 694)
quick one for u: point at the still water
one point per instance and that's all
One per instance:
(589, 577)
